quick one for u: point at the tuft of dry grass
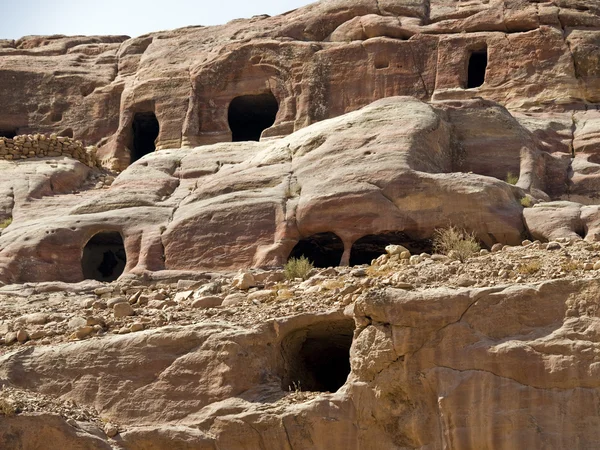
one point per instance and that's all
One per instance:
(511, 178)
(5, 223)
(569, 265)
(297, 268)
(530, 268)
(526, 202)
(7, 408)
(456, 243)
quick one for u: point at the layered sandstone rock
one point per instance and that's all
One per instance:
(318, 62)
(466, 368)
(230, 206)
(376, 120)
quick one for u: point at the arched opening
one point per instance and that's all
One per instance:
(67, 132)
(145, 131)
(250, 115)
(372, 246)
(8, 133)
(104, 257)
(323, 249)
(478, 62)
(317, 358)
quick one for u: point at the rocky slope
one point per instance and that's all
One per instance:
(143, 303)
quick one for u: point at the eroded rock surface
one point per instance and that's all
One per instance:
(124, 324)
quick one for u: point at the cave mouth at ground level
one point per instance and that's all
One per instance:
(250, 115)
(370, 247)
(8, 133)
(322, 249)
(104, 257)
(317, 357)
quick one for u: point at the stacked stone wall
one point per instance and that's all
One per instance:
(40, 145)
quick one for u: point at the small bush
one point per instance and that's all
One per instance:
(530, 267)
(7, 408)
(511, 178)
(569, 266)
(455, 243)
(526, 202)
(297, 268)
(5, 223)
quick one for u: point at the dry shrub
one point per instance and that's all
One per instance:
(526, 202)
(297, 268)
(7, 408)
(569, 266)
(530, 268)
(511, 178)
(456, 243)
(5, 223)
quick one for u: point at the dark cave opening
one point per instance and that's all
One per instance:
(478, 62)
(104, 257)
(323, 249)
(145, 131)
(370, 247)
(8, 133)
(317, 357)
(250, 115)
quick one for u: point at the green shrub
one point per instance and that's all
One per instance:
(298, 268)
(5, 223)
(511, 178)
(455, 243)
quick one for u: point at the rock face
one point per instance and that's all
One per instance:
(317, 62)
(230, 206)
(443, 368)
(348, 131)
(401, 165)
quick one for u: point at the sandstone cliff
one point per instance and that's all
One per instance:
(141, 174)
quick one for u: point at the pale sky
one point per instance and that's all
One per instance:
(128, 17)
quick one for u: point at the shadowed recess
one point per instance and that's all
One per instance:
(370, 247)
(477, 66)
(250, 115)
(317, 357)
(8, 133)
(104, 257)
(145, 131)
(323, 249)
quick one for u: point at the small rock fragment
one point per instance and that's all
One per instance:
(136, 326)
(111, 430)
(497, 247)
(123, 310)
(395, 250)
(207, 302)
(22, 336)
(553, 246)
(244, 281)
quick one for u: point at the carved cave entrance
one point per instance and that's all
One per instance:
(370, 247)
(145, 131)
(250, 115)
(317, 357)
(104, 257)
(10, 133)
(478, 62)
(323, 249)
